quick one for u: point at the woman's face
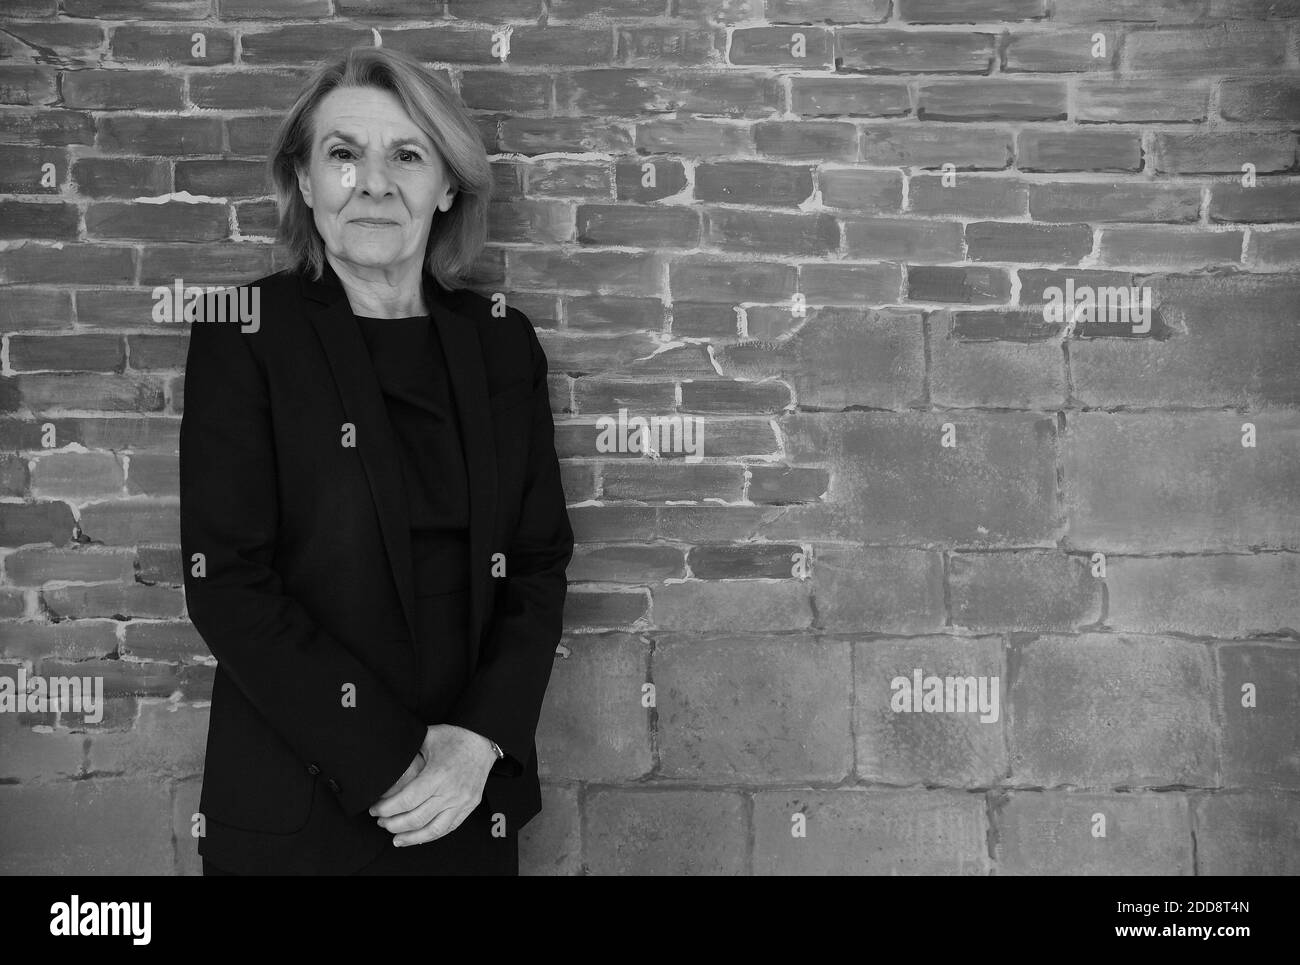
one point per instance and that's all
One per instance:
(374, 180)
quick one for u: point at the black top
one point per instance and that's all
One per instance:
(408, 361)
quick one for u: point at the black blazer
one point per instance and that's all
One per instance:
(304, 585)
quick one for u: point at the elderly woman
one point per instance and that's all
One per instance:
(372, 524)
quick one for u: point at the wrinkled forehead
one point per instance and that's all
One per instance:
(366, 117)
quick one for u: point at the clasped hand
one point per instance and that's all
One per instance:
(440, 788)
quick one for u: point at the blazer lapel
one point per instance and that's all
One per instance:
(460, 346)
(363, 403)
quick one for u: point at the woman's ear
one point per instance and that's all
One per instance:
(304, 184)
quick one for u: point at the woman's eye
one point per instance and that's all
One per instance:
(339, 154)
(408, 156)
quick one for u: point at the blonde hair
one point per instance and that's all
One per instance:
(459, 233)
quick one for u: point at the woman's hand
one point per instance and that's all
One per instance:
(440, 787)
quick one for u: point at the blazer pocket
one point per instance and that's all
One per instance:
(516, 393)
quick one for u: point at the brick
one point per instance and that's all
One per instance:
(30, 85)
(903, 239)
(713, 695)
(1059, 51)
(551, 843)
(627, 563)
(776, 46)
(168, 642)
(1254, 833)
(76, 475)
(38, 756)
(860, 189)
(1225, 596)
(992, 100)
(751, 605)
(832, 11)
(900, 51)
(957, 11)
(540, 135)
(1011, 241)
(806, 140)
(137, 9)
(669, 45)
(1117, 467)
(968, 284)
(160, 44)
(1079, 150)
(1223, 152)
(140, 90)
(684, 135)
(1111, 201)
(64, 43)
(1140, 100)
(949, 749)
(156, 135)
(43, 830)
(631, 91)
(593, 726)
(1223, 46)
(748, 561)
(1169, 11)
(32, 567)
(839, 358)
(771, 232)
(1279, 248)
(1103, 710)
(581, 180)
(130, 523)
(299, 43)
(753, 182)
(1053, 833)
(996, 487)
(273, 9)
(735, 397)
(1265, 100)
(22, 170)
(1259, 742)
(246, 89)
(659, 831)
(781, 485)
(71, 640)
(85, 353)
(602, 611)
(168, 740)
(1034, 281)
(41, 126)
(1162, 247)
(1027, 590)
(561, 45)
(927, 145)
(169, 221)
(850, 97)
(22, 523)
(731, 282)
(120, 177)
(870, 832)
(46, 220)
(995, 359)
(842, 283)
(638, 225)
(1269, 200)
(971, 196)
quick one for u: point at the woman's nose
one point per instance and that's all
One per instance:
(374, 178)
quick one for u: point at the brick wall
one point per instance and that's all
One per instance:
(840, 264)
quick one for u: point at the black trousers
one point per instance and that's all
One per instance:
(469, 850)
